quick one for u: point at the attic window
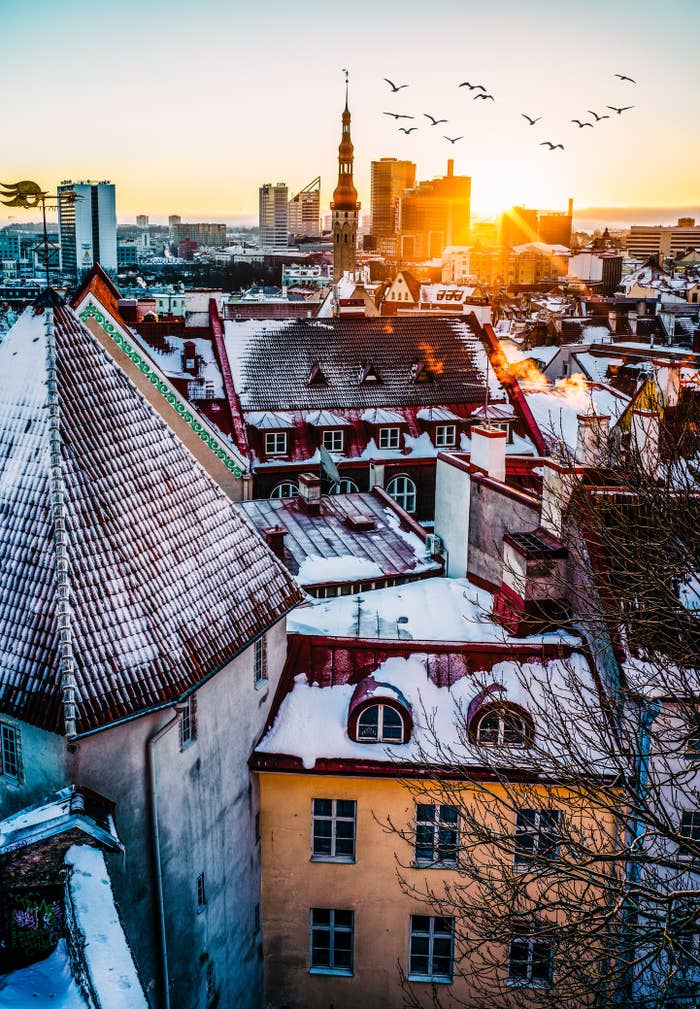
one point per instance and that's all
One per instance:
(369, 374)
(381, 723)
(316, 376)
(420, 372)
(502, 725)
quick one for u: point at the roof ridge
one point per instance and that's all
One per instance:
(66, 665)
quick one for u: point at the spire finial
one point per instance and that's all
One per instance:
(347, 79)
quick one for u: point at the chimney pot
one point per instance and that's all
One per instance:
(310, 492)
(489, 451)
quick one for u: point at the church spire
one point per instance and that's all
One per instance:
(345, 205)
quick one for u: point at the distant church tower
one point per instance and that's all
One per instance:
(345, 206)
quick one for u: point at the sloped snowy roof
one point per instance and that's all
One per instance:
(167, 580)
(431, 414)
(556, 408)
(64, 810)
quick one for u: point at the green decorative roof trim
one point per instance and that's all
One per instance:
(179, 406)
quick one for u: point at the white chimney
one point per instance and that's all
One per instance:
(632, 320)
(645, 438)
(557, 486)
(668, 379)
(592, 439)
(489, 451)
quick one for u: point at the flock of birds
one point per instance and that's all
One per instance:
(485, 96)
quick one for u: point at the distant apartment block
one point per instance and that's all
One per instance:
(435, 214)
(274, 215)
(304, 211)
(87, 226)
(662, 241)
(201, 233)
(390, 178)
(142, 220)
(520, 225)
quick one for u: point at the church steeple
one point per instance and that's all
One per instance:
(345, 206)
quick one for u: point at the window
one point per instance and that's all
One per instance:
(343, 487)
(275, 443)
(445, 435)
(188, 722)
(285, 489)
(690, 828)
(260, 661)
(537, 836)
(437, 834)
(256, 918)
(403, 491)
(10, 764)
(692, 742)
(530, 962)
(389, 437)
(501, 727)
(333, 441)
(211, 982)
(333, 830)
(431, 948)
(380, 723)
(331, 941)
(201, 893)
(257, 828)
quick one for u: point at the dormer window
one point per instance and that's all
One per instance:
(333, 441)
(445, 435)
(369, 374)
(381, 723)
(389, 437)
(502, 726)
(316, 376)
(275, 443)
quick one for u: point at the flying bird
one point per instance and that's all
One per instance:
(597, 117)
(395, 87)
(402, 129)
(453, 140)
(433, 120)
(397, 115)
(625, 108)
(580, 124)
(624, 78)
(530, 120)
(472, 87)
(485, 96)
(551, 146)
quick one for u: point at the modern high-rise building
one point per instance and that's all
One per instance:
(142, 220)
(345, 208)
(202, 232)
(434, 215)
(390, 178)
(517, 226)
(173, 221)
(305, 211)
(554, 227)
(87, 223)
(663, 242)
(274, 215)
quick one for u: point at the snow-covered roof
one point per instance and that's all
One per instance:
(440, 414)
(542, 247)
(556, 408)
(383, 416)
(324, 418)
(47, 982)
(270, 420)
(67, 809)
(436, 609)
(167, 580)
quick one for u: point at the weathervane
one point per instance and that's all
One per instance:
(29, 195)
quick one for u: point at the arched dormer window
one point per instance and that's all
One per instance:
(379, 713)
(502, 725)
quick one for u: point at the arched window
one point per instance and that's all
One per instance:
(343, 487)
(381, 723)
(502, 726)
(285, 489)
(403, 491)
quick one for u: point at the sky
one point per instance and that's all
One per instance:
(189, 107)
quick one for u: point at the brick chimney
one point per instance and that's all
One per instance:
(310, 492)
(274, 537)
(592, 439)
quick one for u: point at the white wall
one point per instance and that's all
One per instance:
(452, 487)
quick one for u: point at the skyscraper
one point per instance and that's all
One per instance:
(435, 214)
(87, 227)
(305, 210)
(274, 215)
(345, 207)
(142, 220)
(390, 177)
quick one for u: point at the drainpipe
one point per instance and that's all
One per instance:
(155, 845)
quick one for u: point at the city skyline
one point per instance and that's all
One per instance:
(244, 115)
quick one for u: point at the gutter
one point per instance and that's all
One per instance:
(152, 793)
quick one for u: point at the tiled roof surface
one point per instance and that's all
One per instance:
(168, 581)
(329, 533)
(271, 361)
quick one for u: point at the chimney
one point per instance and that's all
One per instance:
(632, 320)
(489, 451)
(450, 168)
(310, 492)
(571, 206)
(612, 321)
(274, 537)
(668, 379)
(189, 357)
(645, 438)
(557, 487)
(592, 439)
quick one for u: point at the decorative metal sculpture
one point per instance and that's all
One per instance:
(28, 195)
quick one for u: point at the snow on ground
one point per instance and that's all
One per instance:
(107, 954)
(344, 568)
(435, 609)
(312, 721)
(46, 983)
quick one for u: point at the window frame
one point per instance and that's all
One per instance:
(334, 817)
(437, 826)
(10, 744)
(694, 825)
(380, 738)
(275, 437)
(521, 861)
(337, 487)
(279, 486)
(201, 892)
(528, 981)
(431, 935)
(332, 928)
(387, 439)
(502, 712)
(188, 722)
(260, 672)
(402, 497)
(444, 443)
(336, 439)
